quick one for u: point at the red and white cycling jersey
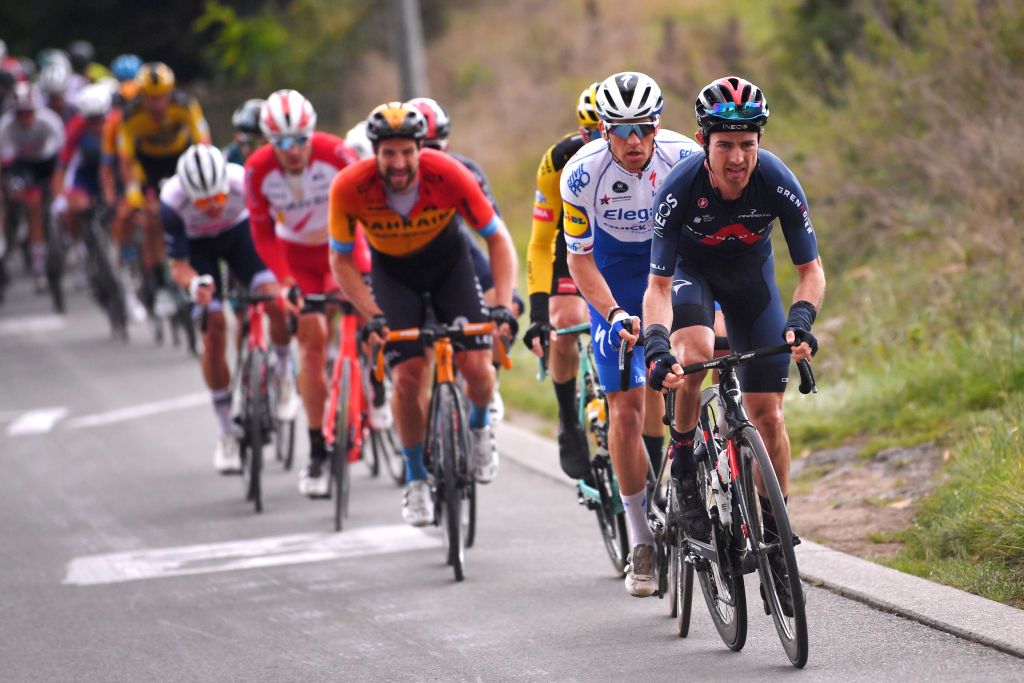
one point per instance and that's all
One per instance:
(292, 208)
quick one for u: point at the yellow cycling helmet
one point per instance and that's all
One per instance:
(155, 79)
(586, 110)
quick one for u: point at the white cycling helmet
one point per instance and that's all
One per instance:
(54, 77)
(628, 95)
(202, 171)
(94, 100)
(287, 113)
(357, 140)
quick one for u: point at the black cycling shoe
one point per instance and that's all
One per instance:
(692, 515)
(573, 454)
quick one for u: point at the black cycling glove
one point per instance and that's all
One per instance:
(801, 317)
(538, 329)
(374, 324)
(657, 356)
(501, 315)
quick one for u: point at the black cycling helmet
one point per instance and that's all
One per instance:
(246, 118)
(731, 104)
(396, 120)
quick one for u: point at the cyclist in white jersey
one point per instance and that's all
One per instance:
(608, 190)
(205, 220)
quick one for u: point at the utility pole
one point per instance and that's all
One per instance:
(409, 49)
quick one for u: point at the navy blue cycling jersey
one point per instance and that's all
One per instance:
(694, 222)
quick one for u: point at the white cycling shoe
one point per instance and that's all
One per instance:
(315, 480)
(288, 403)
(496, 407)
(642, 572)
(381, 418)
(483, 454)
(417, 507)
(226, 457)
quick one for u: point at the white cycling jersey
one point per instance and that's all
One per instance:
(608, 210)
(41, 141)
(195, 221)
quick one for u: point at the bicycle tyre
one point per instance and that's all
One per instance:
(254, 414)
(683, 591)
(612, 524)
(385, 443)
(723, 588)
(792, 630)
(446, 431)
(55, 262)
(105, 281)
(284, 443)
(340, 475)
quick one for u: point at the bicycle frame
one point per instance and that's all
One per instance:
(348, 353)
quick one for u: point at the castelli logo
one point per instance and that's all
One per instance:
(702, 202)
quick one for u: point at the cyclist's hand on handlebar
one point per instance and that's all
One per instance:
(375, 331)
(537, 336)
(508, 326)
(663, 372)
(625, 327)
(200, 289)
(289, 299)
(803, 342)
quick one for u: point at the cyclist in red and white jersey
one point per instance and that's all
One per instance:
(287, 187)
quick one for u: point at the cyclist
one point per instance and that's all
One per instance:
(76, 182)
(357, 140)
(205, 220)
(31, 136)
(53, 82)
(714, 216)
(155, 129)
(287, 186)
(248, 136)
(405, 197)
(607, 192)
(555, 301)
(438, 129)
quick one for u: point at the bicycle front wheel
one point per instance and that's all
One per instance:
(450, 448)
(610, 517)
(776, 561)
(254, 415)
(55, 254)
(339, 455)
(387, 447)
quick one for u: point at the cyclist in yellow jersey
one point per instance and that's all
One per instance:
(156, 127)
(555, 302)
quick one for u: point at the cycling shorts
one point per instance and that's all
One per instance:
(750, 301)
(455, 293)
(156, 170)
(311, 269)
(234, 247)
(32, 175)
(562, 283)
(606, 358)
(87, 179)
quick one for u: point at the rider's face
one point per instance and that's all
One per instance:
(295, 159)
(398, 162)
(635, 151)
(157, 104)
(732, 157)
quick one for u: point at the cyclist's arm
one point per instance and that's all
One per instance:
(540, 252)
(197, 122)
(657, 307)
(811, 284)
(350, 281)
(342, 225)
(591, 283)
(504, 263)
(261, 225)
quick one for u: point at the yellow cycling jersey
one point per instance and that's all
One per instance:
(183, 125)
(547, 213)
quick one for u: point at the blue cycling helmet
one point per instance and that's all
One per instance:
(124, 67)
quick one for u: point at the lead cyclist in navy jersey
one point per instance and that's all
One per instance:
(713, 216)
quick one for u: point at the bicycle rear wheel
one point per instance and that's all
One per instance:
(610, 518)
(340, 475)
(682, 590)
(284, 442)
(789, 615)
(722, 581)
(55, 255)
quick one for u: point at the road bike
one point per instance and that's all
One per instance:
(102, 276)
(446, 446)
(731, 462)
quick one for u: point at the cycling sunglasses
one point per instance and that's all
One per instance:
(285, 144)
(204, 203)
(624, 130)
(729, 110)
(593, 133)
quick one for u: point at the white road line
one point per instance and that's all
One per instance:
(31, 324)
(37, 421)
(138, 411)
(254, 553)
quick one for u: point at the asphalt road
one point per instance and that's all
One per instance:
(126, 557)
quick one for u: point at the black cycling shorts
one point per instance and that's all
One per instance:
(455, 293)
(157, 170)
(746, 290)
(33, 174)
(233, 246)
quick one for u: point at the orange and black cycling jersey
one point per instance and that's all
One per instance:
(444, 187)
(139, 134)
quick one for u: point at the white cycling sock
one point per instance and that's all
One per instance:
(284, 358)
(636, 518)
(222, 407)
